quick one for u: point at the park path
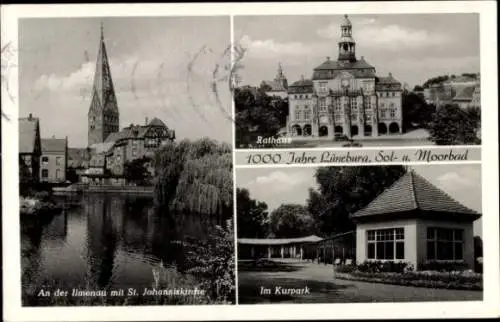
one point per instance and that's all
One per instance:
(325, 289)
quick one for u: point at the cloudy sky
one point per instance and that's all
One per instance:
(291, 185)
(412, 47)
(150, 61)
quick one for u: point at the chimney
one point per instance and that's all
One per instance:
(328, 58)
(30, 116)
(362, 57)
(390, 74)
(146, 121)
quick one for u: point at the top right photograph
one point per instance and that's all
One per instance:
(357, 80)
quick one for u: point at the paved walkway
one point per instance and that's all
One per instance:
(318, 278)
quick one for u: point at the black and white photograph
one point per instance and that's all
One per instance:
(359, 234)
(357, 80)
(125, 161)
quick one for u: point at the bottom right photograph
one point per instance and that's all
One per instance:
(355, 234)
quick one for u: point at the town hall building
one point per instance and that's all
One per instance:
(345, 97)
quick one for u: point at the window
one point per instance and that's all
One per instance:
(322, 104)
(58, 174)
(445, 244)
(354, 104)
(297, 115)
(134, 152)
(392, 112)
(45, 173)
(368, 103)
(45, 159)
(338, 118)
(322, 86)
(307, 115)
(385, 244)
(58, 160)
(393, 94)
(382, 113)
(337, 104)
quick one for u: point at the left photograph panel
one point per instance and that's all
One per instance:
(125, 161)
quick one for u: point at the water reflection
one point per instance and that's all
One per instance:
(103, 241)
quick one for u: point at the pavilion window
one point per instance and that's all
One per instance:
(322, 104)
(444, 244)
(385, 244)
(297, 115)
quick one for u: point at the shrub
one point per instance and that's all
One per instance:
(379, 266)
(345, 268)
(443, 266)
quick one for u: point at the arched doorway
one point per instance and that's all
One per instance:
(354, 130)
(307, 130)
(368, 130)
(323, 130)
(382, 128)
(296, 130)
(394, 128)
(339, 129)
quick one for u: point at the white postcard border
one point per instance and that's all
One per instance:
(11, 244)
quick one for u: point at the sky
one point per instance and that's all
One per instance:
(161, 67)
(291, 185)
(413, 47)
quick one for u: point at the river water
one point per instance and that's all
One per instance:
(106, 241)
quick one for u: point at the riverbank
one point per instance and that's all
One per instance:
(83, 188)
(32, 206)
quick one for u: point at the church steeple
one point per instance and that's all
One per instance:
(280, 77)
(347, 45)
(103, 116)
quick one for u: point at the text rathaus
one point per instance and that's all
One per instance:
(345, 97)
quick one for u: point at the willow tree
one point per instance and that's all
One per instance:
(194, 177)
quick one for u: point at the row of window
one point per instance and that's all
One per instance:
(45, 160)
(302, 96)
(388, 244)
(45, 173)
(387, 94)
(383, 113)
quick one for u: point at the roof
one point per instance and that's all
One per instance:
(413, 192)
(128, 132)
(53, 145)
(102, 147)
(279, 241)
(387, 80)
(276, 86)
(78, 157)
(334, 65)
(465, 94)
(27, 134)
(346, 21)
(302, 82)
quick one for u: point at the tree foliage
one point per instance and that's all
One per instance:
(257, 115)
(417, 113)
(292, 220)
(451, 125)
(136, 171)
(344, 190)
(194, 177)
(213, 262)
(253, 221)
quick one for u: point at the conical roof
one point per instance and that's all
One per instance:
(413, 192)
(103, 92)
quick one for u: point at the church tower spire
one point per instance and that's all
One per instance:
(103, 115)
(347, 45)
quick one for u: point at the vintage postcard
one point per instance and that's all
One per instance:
(243, 161)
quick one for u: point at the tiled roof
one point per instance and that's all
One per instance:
(387, 80)
(103, 147)
(27, 134)
(334, 65)
(53, 145)
(413, 192)
(465, 94)
(78, 158)
(276, 86)
(278, 241)
(156, 122)
(302, 82)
